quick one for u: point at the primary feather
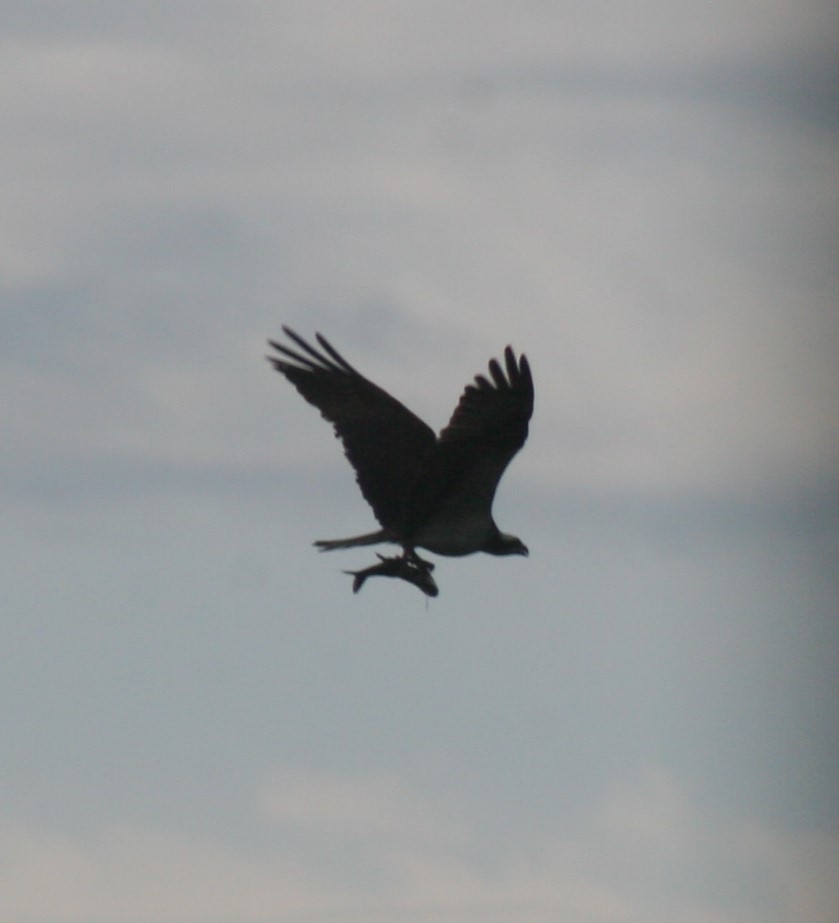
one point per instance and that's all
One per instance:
(384, 442)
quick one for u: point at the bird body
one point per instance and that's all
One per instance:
(426, 491)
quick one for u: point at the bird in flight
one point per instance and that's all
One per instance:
(426, 491)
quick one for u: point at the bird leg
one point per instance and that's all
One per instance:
(412, 558)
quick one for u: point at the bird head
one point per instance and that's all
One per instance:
(507, 544)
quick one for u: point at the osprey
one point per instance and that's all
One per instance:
(426, 491)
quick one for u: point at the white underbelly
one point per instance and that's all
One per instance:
(464, 536)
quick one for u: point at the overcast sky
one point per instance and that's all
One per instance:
(636, 724)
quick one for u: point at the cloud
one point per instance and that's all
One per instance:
(131, 873)
(371, 805)
(646, 853)
(606, 197)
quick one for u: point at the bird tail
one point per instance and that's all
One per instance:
(370, 538)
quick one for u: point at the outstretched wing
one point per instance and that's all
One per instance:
(383, 440)
(489, 425)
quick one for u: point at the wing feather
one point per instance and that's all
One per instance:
(489, 425)
(384, 441)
